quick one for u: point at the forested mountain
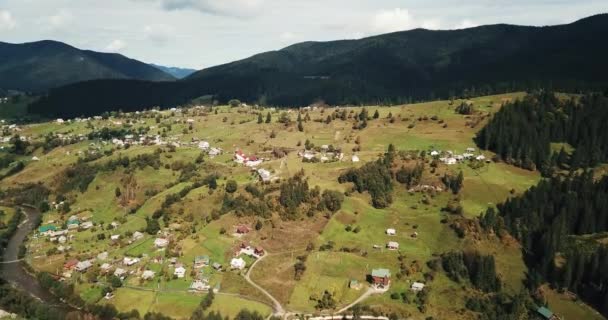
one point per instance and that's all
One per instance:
(390, 68)
(522, 131)
(176, 72)
(549, 220)
(39, 66)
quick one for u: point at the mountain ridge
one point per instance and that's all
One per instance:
(392, 68)
(42, 65)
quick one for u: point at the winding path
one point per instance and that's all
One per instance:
(278, 308)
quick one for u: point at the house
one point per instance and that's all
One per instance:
(381, 278)
(238, 264)
(161, 242)
(62, 239)
(417, 286)
(73, 224)
(242, 229)
(203, 145)
(119, 272)
(82, 266)
(214, 152)
(392, 245)
(46, 230)
(102, 256)
(450, 161)
(470, 150)
(354, 284)
(148, 274)
(105, 268)
(137, 235)
(115, 237)
(258, 251)
(70, 264)
(199, 285)
(86, 225)
(217, 266)
(201, 261)
(127, 261)
(355, 158)
(34, 158)
(480, 157)
(179, 271)
(264, 175)
(434, 153)
(391, 232)
(546, 313)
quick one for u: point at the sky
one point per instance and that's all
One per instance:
(203, 33)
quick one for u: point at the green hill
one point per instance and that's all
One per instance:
(39, 66)
(391, 68)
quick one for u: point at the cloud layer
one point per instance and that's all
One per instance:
(7, 22)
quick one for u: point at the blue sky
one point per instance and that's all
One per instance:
(203, 33)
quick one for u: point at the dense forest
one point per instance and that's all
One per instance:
(559, 224)
(521, 133)
(387, 69)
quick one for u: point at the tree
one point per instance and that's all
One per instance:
(231, 186)
(234, 103)
(152, 226)
(300, 126)
(332, 200)
(376, 114)
(268, 117)
(260, 118)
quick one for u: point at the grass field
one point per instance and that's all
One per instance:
(196, 228)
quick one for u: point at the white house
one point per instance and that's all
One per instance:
(127, 261)
(161, 242)
(391, 232)
(59, 121)
(83, 265)
(264, 175)
(114, 237)
(434, 153)
(355, 158)
(203, 145)
(119, 272)
(450, 161)
(62, 239)
(481, 157)
(180, 272)
(137, 235)
(199, 285)
(214, 152)
(417, 286)
(86, 225)
(34, 158)
(392, 245)
(238, 263)
(102, 256)
(148, 274)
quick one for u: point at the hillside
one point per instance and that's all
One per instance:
(178, 188)
(390, 68)
(176, 72)
(39, 66)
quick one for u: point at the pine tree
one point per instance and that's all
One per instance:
(260, 119)
(268, 118)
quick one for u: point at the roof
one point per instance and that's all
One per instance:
(543, 311)
(47, 228)
(201, 259)
(381, 273)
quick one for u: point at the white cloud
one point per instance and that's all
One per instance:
(159, 34)
(7, 22)
(466, 23)
(62, 18)
(116, 45)
(392, 20)
(235, 8)
(287, 36)
(431, 24)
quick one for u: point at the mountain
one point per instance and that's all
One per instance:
(39, 66)
(390, 68)
(178, 73)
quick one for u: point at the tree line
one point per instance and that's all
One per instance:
(521, 133)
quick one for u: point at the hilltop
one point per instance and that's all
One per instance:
(42, 65)
(389, 69)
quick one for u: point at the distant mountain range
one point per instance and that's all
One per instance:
(178, 73)
(39, 66)
(391, 68)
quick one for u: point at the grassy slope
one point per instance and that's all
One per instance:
(484, 187)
